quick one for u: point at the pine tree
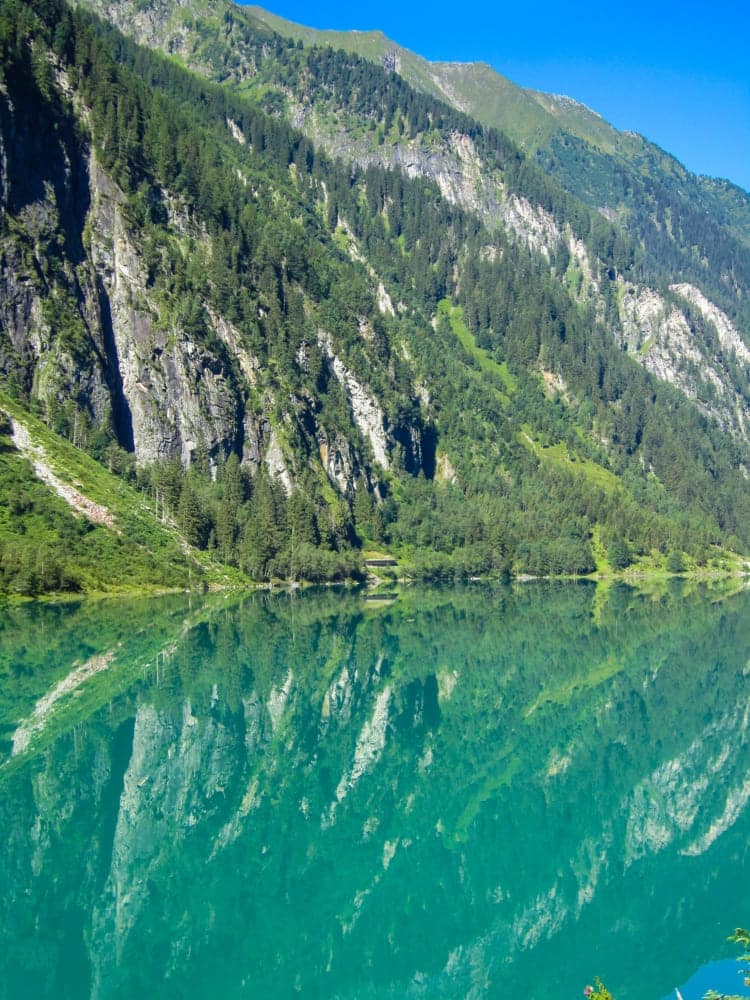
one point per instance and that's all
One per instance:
(265, 533)
(192, 518)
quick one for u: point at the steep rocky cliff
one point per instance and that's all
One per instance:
(667, 227)
(79, 326)
(85, 328)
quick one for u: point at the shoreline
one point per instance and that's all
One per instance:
(632, 578)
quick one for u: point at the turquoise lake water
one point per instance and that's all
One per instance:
(474, 792)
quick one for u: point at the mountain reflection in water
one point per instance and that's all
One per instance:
(464, 793)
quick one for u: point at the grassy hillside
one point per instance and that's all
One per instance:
(105, 537)
(475, 88)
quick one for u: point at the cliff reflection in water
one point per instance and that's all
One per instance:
(466, 793)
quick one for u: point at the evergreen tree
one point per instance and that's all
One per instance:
(192, 518)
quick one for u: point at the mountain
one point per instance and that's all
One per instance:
(673, 234)
(553, 128)
(307, 308)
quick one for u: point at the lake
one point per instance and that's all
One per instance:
(459, 792)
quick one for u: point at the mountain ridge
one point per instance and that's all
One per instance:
(374, 44)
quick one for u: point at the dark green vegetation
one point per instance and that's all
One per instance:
(436, 798)
(340, 356)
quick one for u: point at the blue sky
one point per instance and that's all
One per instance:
(679, 73)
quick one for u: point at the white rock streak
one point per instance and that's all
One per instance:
(729, 337)
(369, 745)
(368, 416)
(35, 453)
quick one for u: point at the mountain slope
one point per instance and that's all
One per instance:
(531, 118)
(68, 524)
(424, 352)
(538, 122)
(664, 233)
(620, 173)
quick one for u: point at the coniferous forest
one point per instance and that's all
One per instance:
(287, 357)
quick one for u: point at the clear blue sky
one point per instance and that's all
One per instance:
(678, 73)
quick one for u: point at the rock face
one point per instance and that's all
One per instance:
(340, 461)
(90, 333)
(455, 167)
(175, 394)
(94, 345)
(368, 416)
(730, 339)
(42, 325)
(696, 353)
(382, 434)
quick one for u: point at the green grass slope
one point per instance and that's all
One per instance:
(531, 118)
(103, 538)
